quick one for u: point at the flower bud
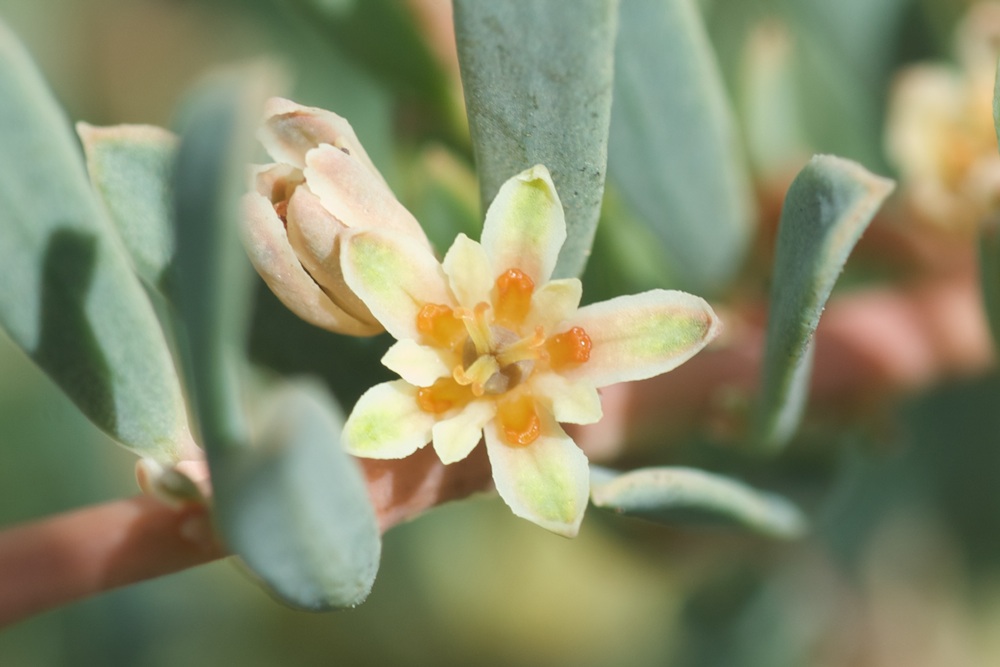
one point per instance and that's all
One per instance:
(321, 184)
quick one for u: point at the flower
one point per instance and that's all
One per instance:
(299, 207)
(488, 344)
(940, 131)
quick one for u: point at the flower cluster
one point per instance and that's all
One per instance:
(489, 346)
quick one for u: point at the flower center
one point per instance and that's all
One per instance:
(495, 355)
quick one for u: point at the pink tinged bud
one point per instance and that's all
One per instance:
(322, 184)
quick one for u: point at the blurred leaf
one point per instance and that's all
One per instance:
(210, 277)
(441, 194)
(70, 298)
(295, 508)
(827, 208)
(289, 502)
(130, 167)
(989, 268)
(627, 256)
(770, 102)
(674, 154)
(382, 37)
(669, 495)
(538, 83)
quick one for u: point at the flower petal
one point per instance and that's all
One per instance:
(569, 401)
(556, 301)
(456, 437)
(395, 276)
(271, 255)
(525, 226)
(314, 235)
(469, 272)
(291, 130)
(639, 336)
(387, 423)
(546, 482)
(417, 364)
(349, 191)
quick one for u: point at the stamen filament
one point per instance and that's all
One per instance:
(526, 349)
(478, 327)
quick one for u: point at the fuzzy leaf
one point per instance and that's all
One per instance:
(290, 503)
(295, 507)
(70, 298)
(827, 208)
(674, 155)
(669, 495)
(130, 167)
(210, 276)
(538, 84)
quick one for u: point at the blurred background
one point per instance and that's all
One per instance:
(902, 565)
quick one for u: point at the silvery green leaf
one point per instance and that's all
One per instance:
(130, 167)
(827, 208)
(674, 154)
(70, 298)
(674, 494)
(538, 85)
(295, 507)
(289, 502)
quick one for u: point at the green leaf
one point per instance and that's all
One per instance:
(70, 298)
(538, 84)
(295, 508)
(289, 502)
(210, 276)
(827, 208)
(674, 154)
(674, 494)
(130, 167)
(989, 273)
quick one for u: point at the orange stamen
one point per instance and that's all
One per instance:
(513, 296)
(440, 326)
(519, 420)
(568, 348)
(442, 396)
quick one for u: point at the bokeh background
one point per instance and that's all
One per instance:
(900, 569)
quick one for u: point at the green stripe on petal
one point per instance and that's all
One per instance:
(387, 423)
(546, 482)
(640, 336)
(469, 272)
(525, 227)
(395, 276)
(456, 437)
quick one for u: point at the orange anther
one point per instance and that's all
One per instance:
(513, 296)
(519, 420)
(568, 348)
(440, 326)
(442, 396)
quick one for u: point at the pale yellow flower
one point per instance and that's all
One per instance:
(488, 344)
(940, 132)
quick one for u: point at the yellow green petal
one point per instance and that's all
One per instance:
(643, 335)
(395, 276)
(387, 423)
(546, 482)
(525, 226)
